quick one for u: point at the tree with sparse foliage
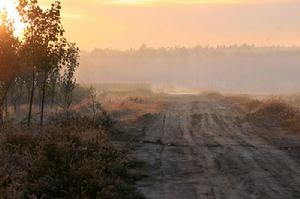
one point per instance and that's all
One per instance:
(68, 82)
(9, 64)
(48, 51)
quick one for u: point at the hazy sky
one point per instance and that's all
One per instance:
(130, 23)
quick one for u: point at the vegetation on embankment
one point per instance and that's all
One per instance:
(72, 157)
(272, 111)
(46, 149)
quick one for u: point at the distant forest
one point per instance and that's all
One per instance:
(246, 69)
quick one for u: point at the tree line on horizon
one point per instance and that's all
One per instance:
(236, 68)
(234, 48)
(41, 64)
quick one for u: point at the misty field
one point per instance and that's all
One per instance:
(156, 99)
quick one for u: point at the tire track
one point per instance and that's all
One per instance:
(200, 148)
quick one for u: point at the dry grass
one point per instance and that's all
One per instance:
(245, 102)
(211, 93)
(278, 113)
(68, 159)
(293, 99)
(131, 107)
(271, 111)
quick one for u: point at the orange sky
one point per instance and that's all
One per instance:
(130, 23)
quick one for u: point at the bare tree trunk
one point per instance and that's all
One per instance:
(31, 99)
(15, 104)
(2, 111)
(53, 93)
(6, 108)
(28, 89)
(1, 115)
(3, 100)
(43, 99)
(18, 100)
(40, 98)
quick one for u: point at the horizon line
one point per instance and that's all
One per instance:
(145, 46)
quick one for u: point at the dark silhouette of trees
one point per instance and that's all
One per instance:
(9, 47)
(43, 62)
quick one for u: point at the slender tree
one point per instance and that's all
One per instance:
(68, 81)
(44, 36)
(55, 44)
(34, 48)
(9, 65)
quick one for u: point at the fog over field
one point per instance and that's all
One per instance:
(236, 69)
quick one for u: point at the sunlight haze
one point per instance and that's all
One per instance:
(9, 7)
(130, 23)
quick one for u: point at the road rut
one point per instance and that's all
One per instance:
(201, 147)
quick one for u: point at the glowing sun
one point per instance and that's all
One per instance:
(9, 7)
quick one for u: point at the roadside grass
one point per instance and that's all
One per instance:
(72, 157)
(131, 106)
(272, 111)
(245, 102)
(278, 113)
(292, 99)
(211, 93)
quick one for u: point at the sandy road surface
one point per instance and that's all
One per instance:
(200, 147)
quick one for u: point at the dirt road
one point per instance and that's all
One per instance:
(201, 147)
